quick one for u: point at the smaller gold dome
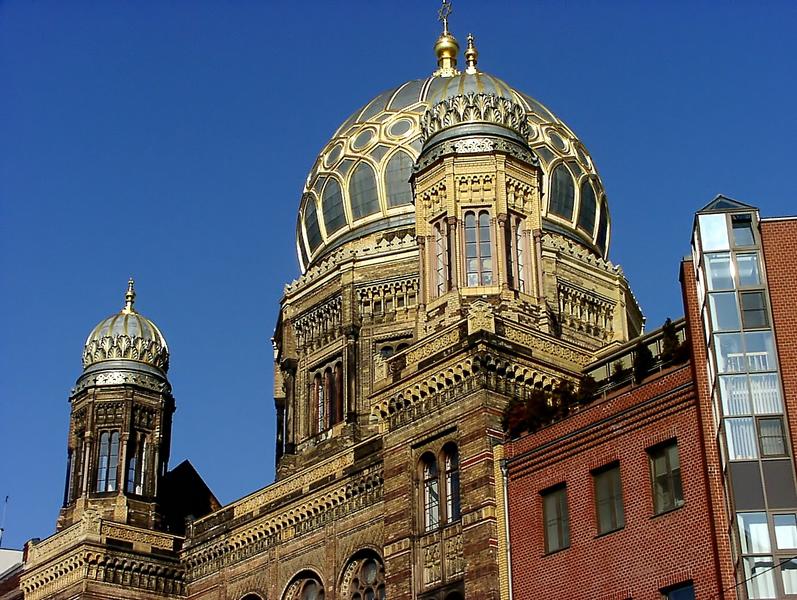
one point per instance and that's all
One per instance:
(446, 48)
(127, 336)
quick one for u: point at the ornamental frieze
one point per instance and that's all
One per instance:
(552, 348)
(474, 107)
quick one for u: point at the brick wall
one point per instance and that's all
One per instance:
(649, 552)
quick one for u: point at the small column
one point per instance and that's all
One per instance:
(350, 371)
(500, 238)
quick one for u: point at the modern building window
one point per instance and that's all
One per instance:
(748, 269)
(362, 191)
(555, 518)
(136, 463)
(666, 474)
(740, 438)
(478, 248)
(332, 206)
(586, 209)
(719, 272)
(788, 576)
(108, 461)
(759, 575)
(754, 312)
(753, 532)
(771, 436)
(786, 531)
(742, 230)
(684, 591)
(724, 311)
(563, 193)
(397, 179)
(608, 498)
(451, 460)
(431, 493)
(441, 259)
(311, 224)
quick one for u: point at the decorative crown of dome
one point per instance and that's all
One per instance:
(359, 184)
(127, 336)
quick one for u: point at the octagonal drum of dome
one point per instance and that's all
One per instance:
(359, 183)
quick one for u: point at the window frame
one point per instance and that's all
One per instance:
(446, 481)
(477, 244)
(676, 502)
(561, 518)
(614, 500)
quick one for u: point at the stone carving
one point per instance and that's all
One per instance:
(140, 536)
(320, 325)
(546, 346)
(434, 198)
(519, 195)
(425, 349)
(474, 107)
(108, 412)
(480, 317)
(505, 146)
(432, 572)
(474, 145)
(455, 559)
(475, 188)
(387, 297)
(585, 311)
(122, 378)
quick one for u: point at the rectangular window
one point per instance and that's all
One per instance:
(766, 393)
(685, 591)
(771, 436)
(720, 274)
(666, 474)
(740, 436)
(729, 353)
(760, 349)
(754, 312)
(758, 573)
(754, 533)
(735, 395)
(713, 232)
(608, 498)
(554, 510)
(742, 230)
(788, 575)
(786, 531)
(724, 311)
(748, 270)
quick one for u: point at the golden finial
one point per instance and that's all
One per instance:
(130, 297)
(471, 56)
(446, 47)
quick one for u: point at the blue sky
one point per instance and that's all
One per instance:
(170, 140)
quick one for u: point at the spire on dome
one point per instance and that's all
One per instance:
(446, 47)
(130, 297)
(471, 56)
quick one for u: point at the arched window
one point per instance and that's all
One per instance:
(305, 586)
(603, 227)
(397, 179)
(362, 191)
(562, 193)
(108, 462)
(136, 464)
(363, 578)
(516, 253)
(329, 393)
(478, 249)
(586, 210)
(441, 258)
(332, 205)
(431, 493)
(319, 404)
(311, 224)
(451, 465)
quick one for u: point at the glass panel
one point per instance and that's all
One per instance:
(788, 575)
(603, 227)
(713, 232)
(772, 439)
(742, 226)
(311, 225)
(740, 435)
(718, 267)
(786, 531)
(586, 210)
(562, 193)
(556, 520)
(766, 393)
(754, 533)
(332, 205)
(758, 573)
(730, 358)
(760, 349)
(609, 500)
(362, 191)
(754, 312)
(724, 311)
(684, 592)
(397, 178)
(735, 395)
(749, 273)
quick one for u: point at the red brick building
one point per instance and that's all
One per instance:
(676, 480)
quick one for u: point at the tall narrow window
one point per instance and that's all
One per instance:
(666, 473)
(108, 461)
(362, 191)
(321, 404)
(441, 258)
(136, 464)
(603, 227)
(586, 209)
(451, 457)
(329, 392)
(431, 493)
(742, 230)
(332, 206)
(608, 498)
(338, 393)
(311, 223)
(397, 179)
(516, 254)
(478, 249)
(555, 517)
(563, 193)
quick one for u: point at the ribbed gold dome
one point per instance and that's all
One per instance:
(127, 336)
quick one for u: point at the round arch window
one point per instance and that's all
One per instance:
(364, 579)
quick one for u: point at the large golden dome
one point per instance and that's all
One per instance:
(359, 182)
(127, 336)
